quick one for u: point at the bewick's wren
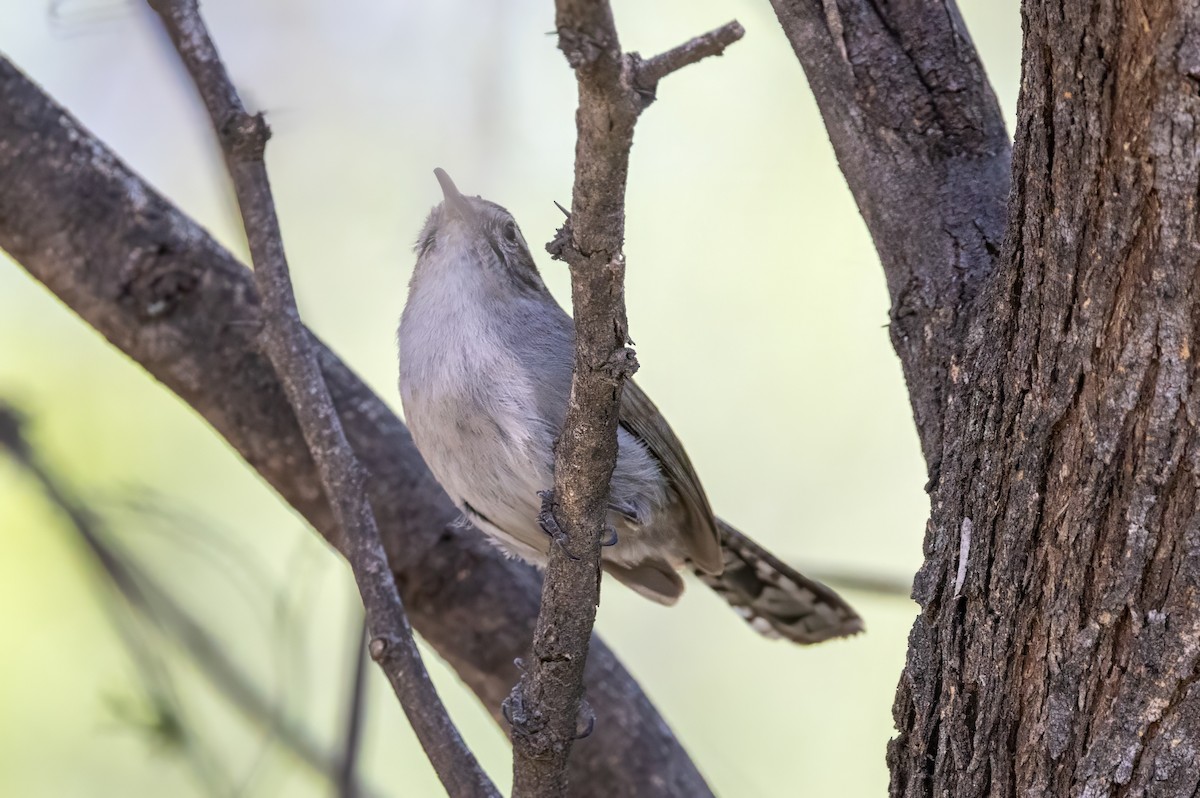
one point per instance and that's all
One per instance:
(486, 355)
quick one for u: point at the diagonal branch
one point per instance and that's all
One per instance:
(286, 342)
(613, 90)
(920, 139)
(162, 291)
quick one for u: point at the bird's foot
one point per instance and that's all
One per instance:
(526, 721)
(549, 525)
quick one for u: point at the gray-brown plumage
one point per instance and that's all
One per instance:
(486, 355)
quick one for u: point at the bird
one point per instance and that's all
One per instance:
(485, 365)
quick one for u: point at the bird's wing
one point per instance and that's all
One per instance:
(641, 419)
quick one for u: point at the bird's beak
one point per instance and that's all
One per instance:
(454, 200)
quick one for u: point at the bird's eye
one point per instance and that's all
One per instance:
(510, 233)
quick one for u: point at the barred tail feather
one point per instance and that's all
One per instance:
(775, 599)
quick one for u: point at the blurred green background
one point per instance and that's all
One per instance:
(755, 298)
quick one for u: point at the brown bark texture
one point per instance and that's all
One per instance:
(1052, 380)
(161, 290)
(546, 704)
(1063, 660)
(919, 136)
(614, 88)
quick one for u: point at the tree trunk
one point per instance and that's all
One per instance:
(1056, 651)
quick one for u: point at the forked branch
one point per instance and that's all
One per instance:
(614, 88)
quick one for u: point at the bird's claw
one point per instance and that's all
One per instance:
(549, 525)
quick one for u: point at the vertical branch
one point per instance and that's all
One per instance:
(614, 88)
(356, 710)
(243, 139)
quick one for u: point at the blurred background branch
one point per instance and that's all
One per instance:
(347, 780)
(147, 614)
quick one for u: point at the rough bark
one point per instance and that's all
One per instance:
(162, 291)
(545, 705)
(919, 136)
(1052, 382)
(614, 88)
(1059, 657)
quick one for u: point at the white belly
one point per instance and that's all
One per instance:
(464, 408)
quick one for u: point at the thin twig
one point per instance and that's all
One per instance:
(286, 342)
(714, 42)
(347, 784)
(544, 706)
(882, 585)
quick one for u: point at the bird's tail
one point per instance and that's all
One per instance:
(774, 598)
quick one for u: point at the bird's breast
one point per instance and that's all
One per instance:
(470, 403)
